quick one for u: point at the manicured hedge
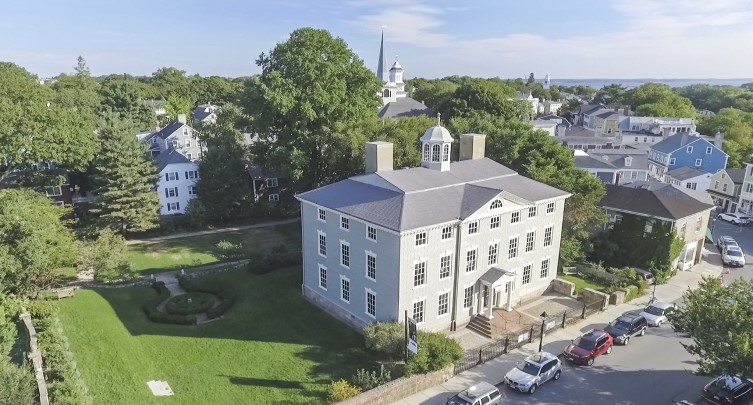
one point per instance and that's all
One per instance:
(207, 285)
(155, 315)
(613, 281)
(180, 305)
(264, 263)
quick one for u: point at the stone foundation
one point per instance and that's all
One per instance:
(332, 309)
(401, 388)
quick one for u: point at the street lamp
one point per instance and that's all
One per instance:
(543, 316)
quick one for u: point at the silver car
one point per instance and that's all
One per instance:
(733, 256)
(736, 219)
(656, 313)
(535, 370)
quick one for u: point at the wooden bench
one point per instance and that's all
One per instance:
(64, 292)
(569, 270)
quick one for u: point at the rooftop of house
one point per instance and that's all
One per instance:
(404, 107)
(736, 175)
(169, 157)
(203, 111)
(685, 173)
(169, 129)
(608, 114)
(584, 160)
(260, 172)
(674, 142)
(653, 199)
(555, 118)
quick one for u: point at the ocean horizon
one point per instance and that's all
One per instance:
(630, 83)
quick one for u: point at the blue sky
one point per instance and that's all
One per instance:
(576, 39)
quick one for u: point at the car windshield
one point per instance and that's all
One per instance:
(735, 253)
(528, 368)
(726, 383)
(654, 310)
(585, 344)
(620, 325)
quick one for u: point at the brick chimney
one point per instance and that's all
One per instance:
(472, 146)
(378, 157)
(182, 118)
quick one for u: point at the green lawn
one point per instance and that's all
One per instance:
(173, 254)
(272, 346)
(582, 283)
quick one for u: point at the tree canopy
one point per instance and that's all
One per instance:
(658, 100)
(492, 97)
(737, 127)
(719, 319)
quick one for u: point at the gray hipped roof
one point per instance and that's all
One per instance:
(168, 157)
(169, 129)
(404, 107)
(685, 173)
(418, 197)
(653, 199)
(736, 175)
(677, 141)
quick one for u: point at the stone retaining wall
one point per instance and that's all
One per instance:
(590, 296)
(401, 388)
(563, 287)
(36, 359)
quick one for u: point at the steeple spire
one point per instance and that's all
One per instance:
(382, 64)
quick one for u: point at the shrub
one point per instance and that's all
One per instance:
(211, 286)
(341, 390)
(435, 351)
(279, 257)
(385, 337)
(631, 293)
(155, 315)
(366, 380)
(219, 310)
(597, 275)
(189, 303)
(17, 382)
(227, 251)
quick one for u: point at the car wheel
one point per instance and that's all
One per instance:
(590, 361)
(557, 375)
(609, 349)
(627, 340)
(532, 389)
(643, 331)
(658, 324)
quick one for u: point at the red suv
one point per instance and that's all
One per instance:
(584, 349)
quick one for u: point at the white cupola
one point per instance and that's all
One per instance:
(436, 143)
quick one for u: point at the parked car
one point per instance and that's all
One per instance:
(481, 393)
(585, 348)
(535, 370)
(627, 326)
(747, 218)
(733, 256)
(728, 390)
(646, 275)
(724, 241)
(736, 219)
(656, 313)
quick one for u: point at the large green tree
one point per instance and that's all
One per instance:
(79, 91)
(125, 178)
(610, 94)
(34, 128)
(105, 256)
(719, 319)
(658, 100)
(308, 85)
(433, 93)
(737, 127)
(485, 96)
(34, 242)
(124, 98)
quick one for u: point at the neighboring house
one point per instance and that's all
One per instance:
(445, 242)
(158, 106)
(177, 136)
(58, 188)
(688, 177)
(404, 107)
(530, 99)
(266, 184)
(177, 181)
(604, 122)
(705, 113)
(614, 166)
(551, 106)
(685, 150)
(658, 125)
(745, 203)
(205, 114)
(663, 202)
(550, 127)
(579, 138)
(724, 188)
(591, 116)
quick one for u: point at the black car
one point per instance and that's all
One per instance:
(627, 326)
(728, 389)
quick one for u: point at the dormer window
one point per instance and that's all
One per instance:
(628, 161)
(496, 204)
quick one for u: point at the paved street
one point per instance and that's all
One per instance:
(744, 237)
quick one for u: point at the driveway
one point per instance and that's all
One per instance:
(744, 237)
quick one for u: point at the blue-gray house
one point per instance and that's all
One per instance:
(685, 150)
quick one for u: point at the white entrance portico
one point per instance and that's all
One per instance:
(495, 290)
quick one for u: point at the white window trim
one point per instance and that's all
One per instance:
(350, 253)
(517, 246)
(543, 237)
(319, 275)
(415, 239)
(473, 294)
(495, 242)
(452, 232)
(341, 289)
(318, 235)
(449, 302)
(478, 227)
(499, 222)
(343, 217)
(451, 254)
(366, 264)
(672, 161)
(366, 303)
(419, 299)
(546, 210)
(709, 150)
(549, 270)
(522, 274)
(469, 249)
(525, 245)
(425, 261)
(375, 233)
(319, 216)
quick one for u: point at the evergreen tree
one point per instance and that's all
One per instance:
(125, 178)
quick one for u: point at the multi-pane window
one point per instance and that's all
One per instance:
(531, 212)
(322, 215)
(192, 174)
(371, 233)
(421, 238)
(370, 303)
(272, 182)
(345, 254)
(53, 191)
(515, 217)
(345, 223)
(473, 227)
(171, 176)
(470, 260)
(496, 204)
(443, 307)
(188, 143)
(345, 289)
(371, 266)
(468, 297)
(495, 221)
(323, 244)
(447, 232)
(171, 192)
(698, 224)
(419, 274)
(418, 311)
(445, 263)
(192, 190)
(493, 254)
(530, 239)
(323, 277)
(274, 197)
(527, 274)
(548, 236)
(545, 268)
(174, 206)
(512, 250)
(550, 208)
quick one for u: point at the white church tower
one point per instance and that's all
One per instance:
(546, 82)
(393, 87)
(435, 146)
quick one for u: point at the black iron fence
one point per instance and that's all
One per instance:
(527, 334)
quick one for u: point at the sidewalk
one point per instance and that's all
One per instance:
(494, 371)
(212, 231)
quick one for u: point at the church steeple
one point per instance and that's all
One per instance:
(382, 65)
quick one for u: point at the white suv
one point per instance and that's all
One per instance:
(534, 371)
